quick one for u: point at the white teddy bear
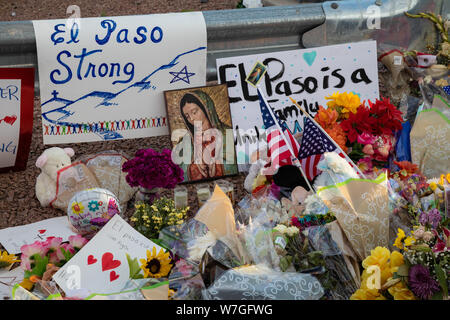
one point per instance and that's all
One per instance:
(50, 162)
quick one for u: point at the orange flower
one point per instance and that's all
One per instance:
(338, 135)
(409, 167)
(326, 117)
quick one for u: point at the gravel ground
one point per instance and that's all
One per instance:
(56, 9)
(18, 203)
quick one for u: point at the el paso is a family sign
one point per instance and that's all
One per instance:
(307, 75)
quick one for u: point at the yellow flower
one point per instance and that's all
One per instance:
(365, 294)
(400, 236)
(378, 256)
(171, 294)
(409, 241)
(433, 186)
(154, 208)
(396, 260)
(77, 207)
(344, 103)
(7, 259)
(400, 292)
(27, 284)
(156, 265)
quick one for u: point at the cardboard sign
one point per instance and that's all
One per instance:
(101, 266)
(103, 78)
(14, 238)
(307, 75)
(16, 117)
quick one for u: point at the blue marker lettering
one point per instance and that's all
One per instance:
(128, 73)
(74, 33)
(152, 35)
(110, 25)
(57, 72)
(83, 54)
(100, 72)
(125, 39)
(57, 30)
(113, 65)
(142, 35)
(90, 66)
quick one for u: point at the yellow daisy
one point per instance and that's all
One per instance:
(7, 259)
(399, 241)
(156, 265)
(77, 207)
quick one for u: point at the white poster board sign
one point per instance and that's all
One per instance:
(103, 78)
(14, 238)
(308, 75)
(9, 121)
(101, 265)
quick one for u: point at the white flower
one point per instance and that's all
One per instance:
(200, 245)
(292, 231)
(281, 228)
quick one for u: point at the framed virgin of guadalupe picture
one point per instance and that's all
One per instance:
(201, 132)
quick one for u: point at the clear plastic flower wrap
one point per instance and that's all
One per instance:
(337, 279)
(258, 241)
(259, 282)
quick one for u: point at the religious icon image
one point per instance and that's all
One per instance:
(256, 74)
(201, 132)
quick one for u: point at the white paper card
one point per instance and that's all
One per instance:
(308, 75)
(103, 78)
(7, 281)
(9, 121)
(101, 265)
(15, 237)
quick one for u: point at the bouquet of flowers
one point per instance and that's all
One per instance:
(366, 133)
(150, 169)
(37, 258)
(151, 219)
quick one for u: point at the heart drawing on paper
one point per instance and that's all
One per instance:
(91, 260)
(108, 262)
(309, 57)
(9, 119)
(113, 276)
(42, 231)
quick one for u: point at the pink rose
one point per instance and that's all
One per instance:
(366, 138)
(368, 149)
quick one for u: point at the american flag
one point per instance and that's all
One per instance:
(447, 90)
(278, 150)
(314, 144)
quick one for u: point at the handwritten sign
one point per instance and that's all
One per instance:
(15, 237)
(307, 75)
(101, 264)
(103, 78)
(16, 117)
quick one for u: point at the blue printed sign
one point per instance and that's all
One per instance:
(103, 78)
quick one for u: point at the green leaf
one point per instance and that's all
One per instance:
(134, 268)
(440, 274)
(285, 262)
(40, 265)
(438, 296)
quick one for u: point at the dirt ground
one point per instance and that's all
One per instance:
(18, 203)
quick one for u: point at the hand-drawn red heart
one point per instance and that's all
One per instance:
(113, 276)
(91, 260)
(42, 231)
(10, 120)
(108, 263)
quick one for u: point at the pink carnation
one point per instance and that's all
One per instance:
(77, 242)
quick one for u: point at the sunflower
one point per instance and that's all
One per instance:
(7, 259)
(77, 207)
(156, 265)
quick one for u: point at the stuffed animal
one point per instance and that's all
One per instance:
(50, 162)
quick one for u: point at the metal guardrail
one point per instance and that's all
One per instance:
(249, 31)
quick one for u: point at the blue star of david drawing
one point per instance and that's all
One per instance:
(185, 75)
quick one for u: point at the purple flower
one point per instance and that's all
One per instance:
(150, 169)
(421, 283)
(432, 217)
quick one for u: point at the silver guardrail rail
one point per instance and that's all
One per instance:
(248, 31)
